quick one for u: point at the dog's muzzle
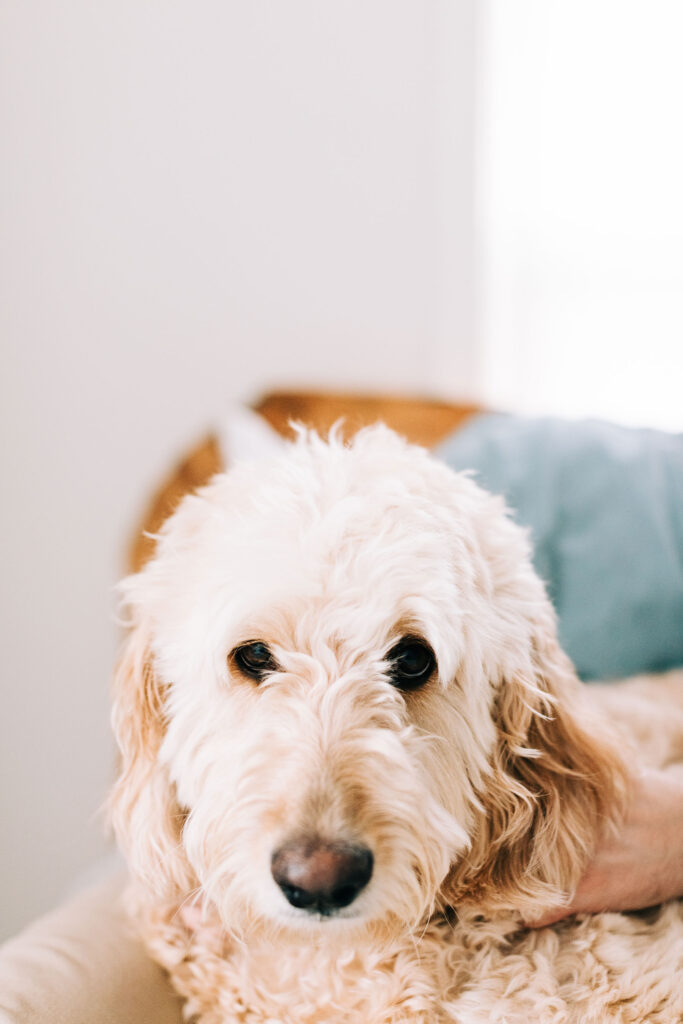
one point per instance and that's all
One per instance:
(321, 877)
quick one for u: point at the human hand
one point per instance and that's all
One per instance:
(641, 864)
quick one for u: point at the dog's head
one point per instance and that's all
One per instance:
(342, 699)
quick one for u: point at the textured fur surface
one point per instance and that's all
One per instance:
(480, 794)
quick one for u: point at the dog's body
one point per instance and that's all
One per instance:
(354, 758)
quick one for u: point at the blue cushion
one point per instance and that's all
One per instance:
(604, 505)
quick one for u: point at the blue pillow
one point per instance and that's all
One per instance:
(604, 505)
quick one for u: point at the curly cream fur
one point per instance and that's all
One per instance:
(481, 795)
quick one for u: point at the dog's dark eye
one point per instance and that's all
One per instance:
(411, 663)
(254, 659)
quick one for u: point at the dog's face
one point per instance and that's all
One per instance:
(340, 661)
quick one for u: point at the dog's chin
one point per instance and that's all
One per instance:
(369, 921)
(305, 923)
(336, 931)
(365, 921)
(353, 919)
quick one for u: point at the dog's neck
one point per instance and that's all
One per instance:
(361, 970)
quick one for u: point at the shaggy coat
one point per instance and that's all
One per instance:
(480, 793)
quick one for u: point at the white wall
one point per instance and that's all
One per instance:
(198, 200)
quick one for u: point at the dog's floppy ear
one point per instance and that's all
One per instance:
(556, 778)
(556, 782)
(143, 809)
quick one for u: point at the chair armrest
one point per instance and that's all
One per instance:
(83, 964)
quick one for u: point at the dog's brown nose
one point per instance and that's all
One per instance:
(321, 877)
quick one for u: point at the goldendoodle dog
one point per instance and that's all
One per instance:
(354, 759)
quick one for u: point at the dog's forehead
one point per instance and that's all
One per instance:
(336, 516)
(359, 539)
(325, 542)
